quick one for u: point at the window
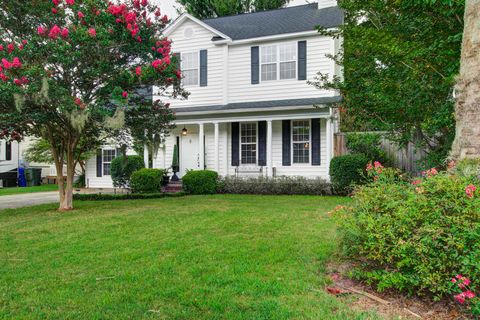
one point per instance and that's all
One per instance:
(248, 143)
(190, 68)
(108, 156)
(301, 141)
(278, 62)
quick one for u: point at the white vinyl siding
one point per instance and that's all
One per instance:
(190, 68)
(278, 61)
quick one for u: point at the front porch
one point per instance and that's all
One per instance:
(294, 144)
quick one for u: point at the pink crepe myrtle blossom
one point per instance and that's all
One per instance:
(92, 32)
(56, 2)
(41, 30)
(3, 77)
(144, 3)
(470, 191)
(25, 80)
(16, 63)
(10, 47)
(125, 94)
(65, 33)
(54, 10)
(54, 32)
(70, 2)
(18, 82)
(1, 47)
(6, 64)
(138, 71)
(80, 15)
(24, 42)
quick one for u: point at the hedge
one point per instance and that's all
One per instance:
(129, 196)
(346, 171)
(200, 182)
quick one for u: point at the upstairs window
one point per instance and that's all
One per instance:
(278, 61)
(190, 68)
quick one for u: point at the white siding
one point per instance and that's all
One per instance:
(212, 93)
(239, 81)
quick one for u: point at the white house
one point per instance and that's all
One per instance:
(250, 109)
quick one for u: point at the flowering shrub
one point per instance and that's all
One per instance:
(413, 235)
(465, 294)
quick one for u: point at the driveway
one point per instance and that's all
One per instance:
(27, 199)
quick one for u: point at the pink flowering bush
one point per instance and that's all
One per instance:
(412, 235)
(466, 293)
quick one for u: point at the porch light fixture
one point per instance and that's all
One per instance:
(184, 131)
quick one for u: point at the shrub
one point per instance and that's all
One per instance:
(147, 180)
(369, 144)
(274, 186)
(200, 182)
(347, 170)
(413, 236)
(122, 167)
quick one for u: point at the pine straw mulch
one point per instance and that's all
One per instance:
(388, 305)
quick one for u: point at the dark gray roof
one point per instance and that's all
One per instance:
(279, 21)
(251, 106)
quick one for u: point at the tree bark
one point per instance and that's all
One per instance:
(66, 203)
(467, 108)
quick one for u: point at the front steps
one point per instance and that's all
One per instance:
(173, 187)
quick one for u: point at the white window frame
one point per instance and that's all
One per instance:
(278, 62)
(107, 162)
(198, 68)
(240, 144)
(309, 143)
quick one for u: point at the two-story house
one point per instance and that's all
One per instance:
(251, 110)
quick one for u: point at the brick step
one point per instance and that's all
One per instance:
(173, 187)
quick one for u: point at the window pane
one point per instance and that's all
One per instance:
(288, 70)
(190, 77)
(269, 72)
(108, 155)
(269, 54)
(288, 52)
(189, 61)
(248, 139)
(106, 169)
(301, 141)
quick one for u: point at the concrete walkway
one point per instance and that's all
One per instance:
(28, 199)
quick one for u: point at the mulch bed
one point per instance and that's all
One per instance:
(389, 305)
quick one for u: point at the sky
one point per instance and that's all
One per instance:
(169, 6)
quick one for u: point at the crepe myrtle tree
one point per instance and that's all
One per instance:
(69, 71)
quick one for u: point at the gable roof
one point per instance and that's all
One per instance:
(275, 22)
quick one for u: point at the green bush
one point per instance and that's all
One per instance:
(346, 171)
(274, 186)
(129, 196)
(122, 167)
(147, 180)
(200, 182)
(369, 144)
(413, 236)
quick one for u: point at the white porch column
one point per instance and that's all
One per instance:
(329, 133)
(216, 140)
(201, 146)
(269, 149)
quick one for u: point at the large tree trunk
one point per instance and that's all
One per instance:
(467, 109)
(66, 203)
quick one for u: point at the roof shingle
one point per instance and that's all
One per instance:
(279, 21)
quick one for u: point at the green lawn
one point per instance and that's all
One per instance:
(202, 257)
(42, 188)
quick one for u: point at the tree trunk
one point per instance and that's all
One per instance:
(467, 108)
(67, 202)
(60, 182)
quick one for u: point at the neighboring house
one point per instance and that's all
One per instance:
(12, 156)
(250, 111)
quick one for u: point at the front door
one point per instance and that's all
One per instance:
(189, 156)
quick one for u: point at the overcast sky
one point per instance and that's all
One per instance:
(169, 6)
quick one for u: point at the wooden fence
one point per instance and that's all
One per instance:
(406, 159)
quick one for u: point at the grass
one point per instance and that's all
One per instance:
(196, 257)
(42, 188)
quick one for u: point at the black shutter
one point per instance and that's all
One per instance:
(8, 151)
(315, 142)
(99, 163)
(255, 65)
(262, 143)
(235, 144)
(203, 68)
(286, 145)
(302, 60)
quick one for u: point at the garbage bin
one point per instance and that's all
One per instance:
(37, 176)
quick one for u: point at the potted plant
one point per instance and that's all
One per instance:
(175, 164)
